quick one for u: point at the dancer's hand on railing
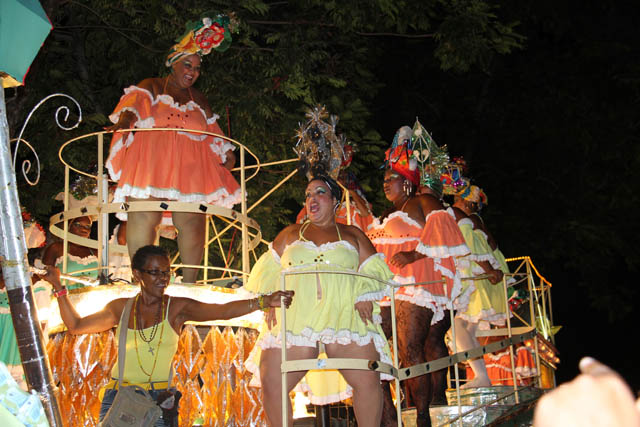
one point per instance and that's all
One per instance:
(273, 300)
(365, 310)
(495, 276)
(596, 397)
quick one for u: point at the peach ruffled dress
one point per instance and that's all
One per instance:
(440, 240)
(174, 165)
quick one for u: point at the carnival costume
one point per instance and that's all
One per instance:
(439, 239)
(175, 165)
(323, 308)
(487, 302)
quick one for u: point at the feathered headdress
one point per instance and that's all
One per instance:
(318, 147)
(399, 157)
(202, 36)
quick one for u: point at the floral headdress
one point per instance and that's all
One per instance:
(34, 234)
(202, 36)
(318, 147)
(453, 180)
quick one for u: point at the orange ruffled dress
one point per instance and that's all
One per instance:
(172, 165)
(440, 240)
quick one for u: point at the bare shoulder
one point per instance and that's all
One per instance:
(353, 234)
(202, 101)
(477, 223)
(287, 236)
(460, 215)
(429, 203)
(152, 84)
(52, 252)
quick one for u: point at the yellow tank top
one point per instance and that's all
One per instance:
(147, 353)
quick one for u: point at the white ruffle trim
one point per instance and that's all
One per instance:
(443, 251)
(393, 240)
(486, 318)
(397, 214)
(220, 197)
(80, 260)
(373, 296)
(465, 221)
(220, 147)
(323, 246)
(310, 338)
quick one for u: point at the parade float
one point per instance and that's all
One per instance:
(66, 372)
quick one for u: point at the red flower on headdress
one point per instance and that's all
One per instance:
(210, 37)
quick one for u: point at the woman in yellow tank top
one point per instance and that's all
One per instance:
(155, 321)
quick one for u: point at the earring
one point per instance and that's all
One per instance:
(335, 208)
(406, 187)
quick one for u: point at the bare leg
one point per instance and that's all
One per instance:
(367, 390)
(271, 380)
(142, 228)
(191, 227)
(389, 416)
(413, 323)
(436, 348)
(466, 340)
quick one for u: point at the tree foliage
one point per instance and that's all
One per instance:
(286, 57)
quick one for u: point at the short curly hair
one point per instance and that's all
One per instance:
(142, 254)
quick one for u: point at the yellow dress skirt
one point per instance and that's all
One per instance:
(323, 306)
(486, 304)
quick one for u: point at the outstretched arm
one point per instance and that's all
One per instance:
(103, 320)
(202, 312)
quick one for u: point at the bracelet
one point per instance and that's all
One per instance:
(62, 292)
(261, 303)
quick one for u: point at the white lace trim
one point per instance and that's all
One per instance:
(369, 258)
(372, 296)
(323, 246)
(465, 221)
(393, 240)
(165, 99)
(486, 318)
(310, 338)
(220, 147)
(443, 251)
(220, 197)
(399, 214)
(80, 260)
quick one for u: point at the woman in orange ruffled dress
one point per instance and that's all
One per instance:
(421, 241)
(173, 165)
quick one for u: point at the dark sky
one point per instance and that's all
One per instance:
(551, 134)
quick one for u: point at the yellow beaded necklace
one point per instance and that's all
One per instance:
(135, 338)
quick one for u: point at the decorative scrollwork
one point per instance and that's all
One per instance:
(26, 165)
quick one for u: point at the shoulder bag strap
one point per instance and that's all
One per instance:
(122, 338)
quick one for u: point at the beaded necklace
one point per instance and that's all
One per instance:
(135, 338)
(154, 328)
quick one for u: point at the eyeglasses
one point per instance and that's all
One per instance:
(156, 273)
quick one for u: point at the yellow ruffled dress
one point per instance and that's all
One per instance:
(487, 302)
(323, 306)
